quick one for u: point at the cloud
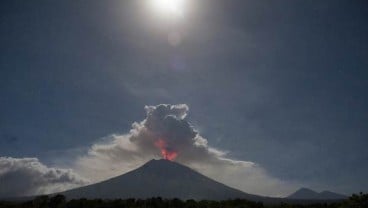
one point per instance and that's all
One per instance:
(28, 176)
(167, 126)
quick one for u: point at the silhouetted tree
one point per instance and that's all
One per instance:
(41, 202)
(57, 201)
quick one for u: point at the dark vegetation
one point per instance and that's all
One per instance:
(59, 201)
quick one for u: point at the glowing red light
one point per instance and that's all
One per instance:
(165, 152)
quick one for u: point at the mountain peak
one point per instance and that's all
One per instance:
(166, 168)
(163, 178)
(306, 193)
(158, 161)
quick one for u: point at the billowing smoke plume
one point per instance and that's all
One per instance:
(28, 176)
(166, 134)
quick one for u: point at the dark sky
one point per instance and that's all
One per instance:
(280, 83)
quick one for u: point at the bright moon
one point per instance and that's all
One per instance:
(173, 7)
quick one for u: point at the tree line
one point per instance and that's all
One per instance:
(59, 201)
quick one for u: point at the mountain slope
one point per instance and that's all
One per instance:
(331, 195)
(160, 178)
(305, 193)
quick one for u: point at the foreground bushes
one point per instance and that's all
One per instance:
(59, 201)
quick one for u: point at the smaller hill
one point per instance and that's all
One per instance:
(305, 193)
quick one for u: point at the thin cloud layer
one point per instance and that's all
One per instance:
(166, 133)
(28, 176)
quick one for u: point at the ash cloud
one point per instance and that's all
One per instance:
(28, 176)
(118, 154)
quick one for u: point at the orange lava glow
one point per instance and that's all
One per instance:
(166, 154)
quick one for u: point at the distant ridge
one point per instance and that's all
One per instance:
(308, 194)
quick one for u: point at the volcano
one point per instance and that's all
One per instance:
(160, 178)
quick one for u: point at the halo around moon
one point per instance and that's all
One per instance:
(169, 7)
